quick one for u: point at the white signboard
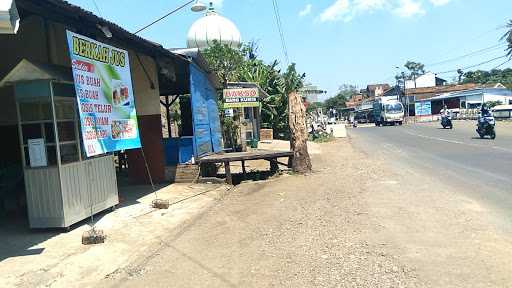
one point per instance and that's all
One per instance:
(37, 152)
(241, 97)
(104, 93)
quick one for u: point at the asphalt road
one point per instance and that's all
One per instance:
(482, 168)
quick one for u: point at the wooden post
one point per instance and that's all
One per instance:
(301, 163)
(227, 168)
(168, 113)
(244, 172)
(273, 165)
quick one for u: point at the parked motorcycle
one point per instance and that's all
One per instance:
(446, 121)
(486, 126)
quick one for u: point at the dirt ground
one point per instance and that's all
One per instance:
(294, 231)
(352, 223)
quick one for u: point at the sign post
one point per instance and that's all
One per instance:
(104, 94)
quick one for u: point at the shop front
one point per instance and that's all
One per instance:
(62, 129)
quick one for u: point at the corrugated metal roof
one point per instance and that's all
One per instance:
(76, 13)
(469, 92)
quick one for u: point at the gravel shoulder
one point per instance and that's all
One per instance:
(293, 231)
(352, 223)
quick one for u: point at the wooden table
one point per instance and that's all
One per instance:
(227, 158)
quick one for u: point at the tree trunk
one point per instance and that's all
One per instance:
(301, 162)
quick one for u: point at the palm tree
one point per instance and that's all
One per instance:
(508, 38)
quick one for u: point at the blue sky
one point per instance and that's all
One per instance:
(338, 42)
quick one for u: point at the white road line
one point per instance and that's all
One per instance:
(458, 142)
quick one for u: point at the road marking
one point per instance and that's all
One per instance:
(458, 142)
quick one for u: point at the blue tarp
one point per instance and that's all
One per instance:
(205, 114)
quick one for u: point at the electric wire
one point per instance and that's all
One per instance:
(508, 60)
(477, 52)
(280, 29)
(473, 66)
(97, 8)
(165, 16)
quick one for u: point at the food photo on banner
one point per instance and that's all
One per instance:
(104, 95)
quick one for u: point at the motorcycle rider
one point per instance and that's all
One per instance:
(444, 112)
(485, 123)
(446, 117)
(484, 112)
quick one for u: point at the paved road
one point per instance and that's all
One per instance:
(483, 167)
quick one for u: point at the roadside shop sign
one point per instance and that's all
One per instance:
(241, 97)
(104, 94)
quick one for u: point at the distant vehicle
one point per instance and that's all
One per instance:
(361, 117)
(388, 112)
(331, 120)
(446, 121)
(485, 126)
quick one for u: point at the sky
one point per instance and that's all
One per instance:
(336, 42)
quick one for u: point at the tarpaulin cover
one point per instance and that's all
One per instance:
(205, 114)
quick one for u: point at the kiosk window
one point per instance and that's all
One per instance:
(31, 131)
(66, 131)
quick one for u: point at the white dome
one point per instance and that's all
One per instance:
(213, 27)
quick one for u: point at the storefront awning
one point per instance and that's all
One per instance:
(29, 71)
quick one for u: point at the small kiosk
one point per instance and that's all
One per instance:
(62, 186)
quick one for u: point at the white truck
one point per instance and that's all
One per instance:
(388, 112)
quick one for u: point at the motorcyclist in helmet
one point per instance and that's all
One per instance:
(484, 111)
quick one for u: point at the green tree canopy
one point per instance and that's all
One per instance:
(243, 65)
(339, 100)
(494, 76)
(414, 69)
(314, 106)
(224, 61)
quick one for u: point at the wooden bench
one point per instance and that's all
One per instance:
(227, 158)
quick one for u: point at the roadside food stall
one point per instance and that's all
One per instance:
(70, 120)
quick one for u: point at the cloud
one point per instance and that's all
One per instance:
(306, 11)
(346, 10)
(409, 8)
(370, 5)
(336, 11)
(439, 2)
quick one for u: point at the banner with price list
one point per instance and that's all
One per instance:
(104, 94)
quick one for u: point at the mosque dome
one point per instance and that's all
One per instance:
(212, 27)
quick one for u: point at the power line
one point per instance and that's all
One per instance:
(471, 39)
(494, 47)
(280, 28)
(508, 60)
(473, 66)
(97, 8)
(165, 16)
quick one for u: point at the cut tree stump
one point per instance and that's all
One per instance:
(301, 163)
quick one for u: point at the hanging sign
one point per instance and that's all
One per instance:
(241, 97)
(104, 94)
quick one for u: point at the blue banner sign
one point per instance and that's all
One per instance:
(423, 108)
